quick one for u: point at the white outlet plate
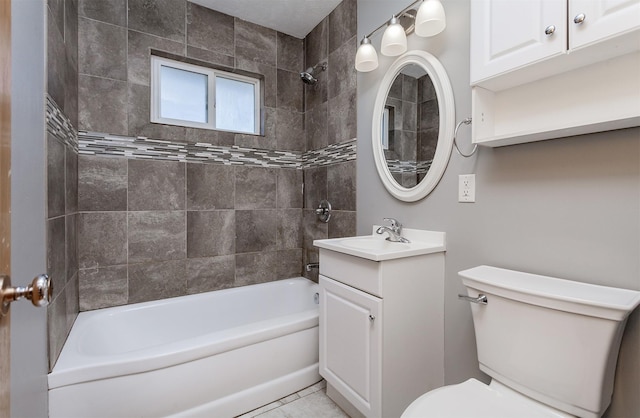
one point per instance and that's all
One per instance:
(467, 188)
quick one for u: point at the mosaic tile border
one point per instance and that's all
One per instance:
(59, 125)
(96, 143)
(334, 153)
(408, 167)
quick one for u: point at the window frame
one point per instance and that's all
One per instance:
(211, 73)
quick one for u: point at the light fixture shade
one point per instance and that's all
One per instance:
(366, 56)
(394, 39)
(430, 19)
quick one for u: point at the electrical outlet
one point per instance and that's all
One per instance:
(467, 188)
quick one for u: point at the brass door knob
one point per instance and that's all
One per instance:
(39, 293)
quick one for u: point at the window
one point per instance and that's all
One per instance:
(199, 97)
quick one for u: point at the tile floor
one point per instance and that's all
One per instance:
(311, 402)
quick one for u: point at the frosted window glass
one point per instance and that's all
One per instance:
(235, 105)
(183, 95)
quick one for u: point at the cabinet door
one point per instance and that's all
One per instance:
(508, 34)
(350, 344)
(602, 19)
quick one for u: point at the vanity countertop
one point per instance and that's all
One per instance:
(375, 247)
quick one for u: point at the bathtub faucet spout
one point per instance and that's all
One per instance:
(312, 266)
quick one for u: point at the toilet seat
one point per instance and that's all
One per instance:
(474, 399)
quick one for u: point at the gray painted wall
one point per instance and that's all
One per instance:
(28, 164)
(568, 208)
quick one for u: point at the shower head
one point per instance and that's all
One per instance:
(307, 76)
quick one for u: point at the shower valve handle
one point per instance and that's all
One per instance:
(324, 211)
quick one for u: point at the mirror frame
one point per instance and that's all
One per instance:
(446, 109)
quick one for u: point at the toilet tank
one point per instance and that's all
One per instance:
(554, 340)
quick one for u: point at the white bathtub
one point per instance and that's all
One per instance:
(216, 354)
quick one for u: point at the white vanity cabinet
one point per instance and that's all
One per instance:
(381, 323)
(350, 343)
(543, 69)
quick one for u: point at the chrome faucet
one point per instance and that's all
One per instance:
(394, 231)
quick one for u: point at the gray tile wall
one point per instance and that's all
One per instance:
(151, 229)
(62, 56)
(115, 39)
(330, 118)
(62, 169)
(428, 120)
(155, 229)
(403, 139)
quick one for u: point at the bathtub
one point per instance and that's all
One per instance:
(216, 354)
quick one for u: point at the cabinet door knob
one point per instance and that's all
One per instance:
(372, 318)
(549, 30)
(579, 18)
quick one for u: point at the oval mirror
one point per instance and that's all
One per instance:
(413, 124)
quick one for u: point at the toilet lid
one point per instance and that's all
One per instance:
(475, 399)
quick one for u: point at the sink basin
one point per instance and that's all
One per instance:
(375, 247)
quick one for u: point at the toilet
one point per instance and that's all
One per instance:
(549, 345)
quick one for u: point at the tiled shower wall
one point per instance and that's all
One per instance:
(62, 169)
(154, 229)
(115, 42)
(403, 139)
(414, 121)
(330, 118)
(428, 120)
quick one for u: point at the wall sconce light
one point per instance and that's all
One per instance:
(366, 56)
(429, 20)
(394, 39)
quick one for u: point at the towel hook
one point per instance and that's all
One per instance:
(466, 121)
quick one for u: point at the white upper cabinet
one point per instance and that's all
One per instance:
(533, 39)
(507, 34)
(592, 21)
(543, 69)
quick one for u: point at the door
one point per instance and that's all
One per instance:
(350, 344)
(5, 192)
(22, 38)
(592, 21)
(507, 34)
